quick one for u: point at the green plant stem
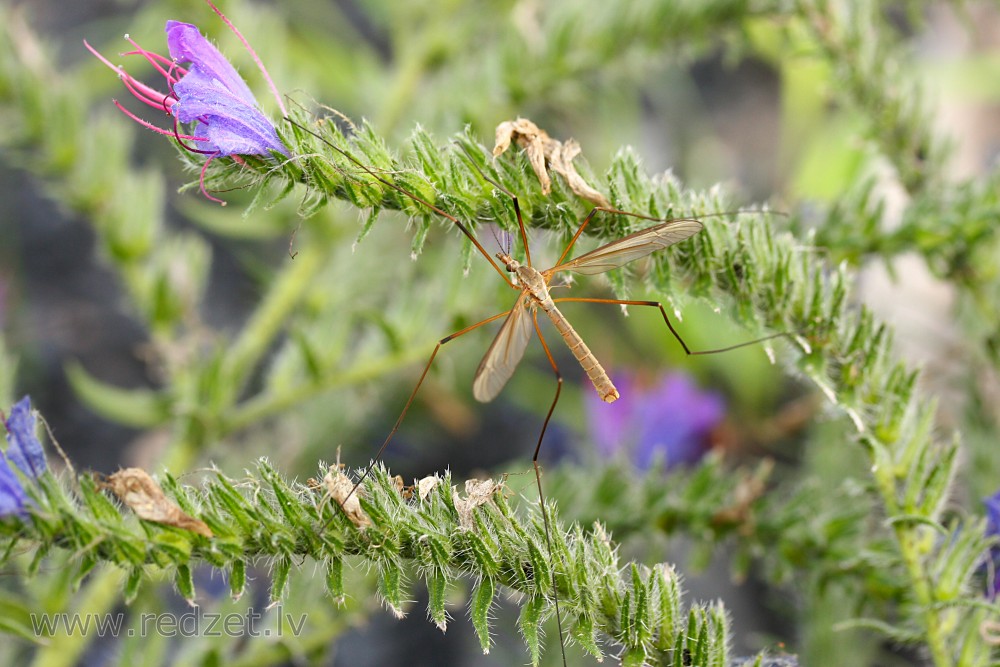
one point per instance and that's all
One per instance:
(272, 315)
(908, 540)
(264, 406)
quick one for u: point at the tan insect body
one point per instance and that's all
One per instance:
(536, 284)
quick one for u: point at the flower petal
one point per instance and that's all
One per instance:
(186, 44)
(13, 499)
(213, 94)
(232, 126)
(24, 449)
(992, 504)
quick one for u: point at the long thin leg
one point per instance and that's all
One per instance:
(371, 172)
(413, 394)
(586, 221)
(687, 350)
(517, 206)
(538, 481)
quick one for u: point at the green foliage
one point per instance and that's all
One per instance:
(436, 537)
(890, 539)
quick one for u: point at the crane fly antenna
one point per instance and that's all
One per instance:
(503, 245)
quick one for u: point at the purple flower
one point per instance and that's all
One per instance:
(672, 420)
(208, 94)
(214, 97)
(13, 499)
(25, 452)
(23, 448)
(992, 514)
(993, 557)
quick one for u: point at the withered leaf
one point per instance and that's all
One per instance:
(544, 151)
(143, 495)
(426, 485)
(477, 492)
(340, 486)
(400, 485)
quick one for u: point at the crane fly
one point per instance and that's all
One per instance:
(507, 348)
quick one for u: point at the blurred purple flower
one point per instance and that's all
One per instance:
(993, 557)
(23, 448)
(672, 420)
(208, 93)
(13, 499)
(24, 451)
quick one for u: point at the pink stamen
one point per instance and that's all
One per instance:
(141, 91)
(104, 60)
(144, 94)
(148, 125)
(151, 58)
(159, 58)
(190, 149)
(174, 67)
(201, 181)
(253, 54)
(173, 93)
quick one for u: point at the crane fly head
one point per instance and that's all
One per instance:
(509, 262)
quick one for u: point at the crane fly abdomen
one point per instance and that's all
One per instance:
(534, 283)
(591, 366)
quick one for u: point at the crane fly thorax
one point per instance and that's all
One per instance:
(534, 282)
(529, 278)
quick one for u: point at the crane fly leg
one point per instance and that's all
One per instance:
(587, 221)
(538, 481)
(413, 395)
(517, 205)
(687, 350)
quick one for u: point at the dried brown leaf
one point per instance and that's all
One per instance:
(144, 496)
(426, 485)
(340, 486)
(990, 632)
(477, 492)
(546, 153)
(397, 481)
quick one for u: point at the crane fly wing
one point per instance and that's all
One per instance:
(632, 247)
(505, 353)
